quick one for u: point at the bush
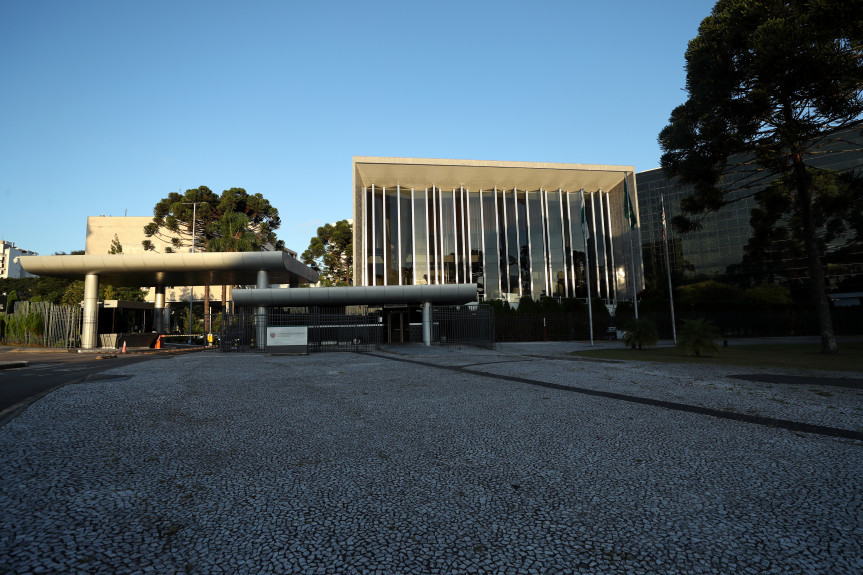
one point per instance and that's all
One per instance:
(573, 305)
(696, 337)
(640, 332)
(499, 306)
(769, 296)
(526, 304)
(709, 295)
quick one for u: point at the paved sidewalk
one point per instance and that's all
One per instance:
(430, 461)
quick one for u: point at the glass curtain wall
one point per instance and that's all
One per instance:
(537, 243)
(378, 236)
(578, 248)
(556, 242)
(434, 235)
(420, 237)
(406, 234)
(461, 238)
(392, 258)
(523, 241)
(491, 244)
(612, 270)
(510, 242)
(475, 229)
(448, 243)
(502, 249)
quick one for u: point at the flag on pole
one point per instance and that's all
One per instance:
(662, 212)
(584, 229)
(628, 208)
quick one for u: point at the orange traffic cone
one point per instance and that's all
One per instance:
(124, 346)
(159, 342)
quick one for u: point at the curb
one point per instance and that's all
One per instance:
(13, 364)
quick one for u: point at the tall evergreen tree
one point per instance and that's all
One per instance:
(330, 253)
(233, 222)
(771, 82)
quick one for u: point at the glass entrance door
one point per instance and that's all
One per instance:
(397, 326)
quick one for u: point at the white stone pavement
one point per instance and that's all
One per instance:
(362, 463)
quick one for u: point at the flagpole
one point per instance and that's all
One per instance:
(668, 270)
(586, 234)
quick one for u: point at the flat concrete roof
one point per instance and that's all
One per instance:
(147, 270)
(481, 174)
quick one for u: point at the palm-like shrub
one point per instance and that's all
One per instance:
(696, 337)
(639, 332)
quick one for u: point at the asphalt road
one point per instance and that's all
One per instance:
(47, 371)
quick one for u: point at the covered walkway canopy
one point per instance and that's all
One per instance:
(162, 270)
(359, 295)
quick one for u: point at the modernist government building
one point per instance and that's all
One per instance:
(513, 228)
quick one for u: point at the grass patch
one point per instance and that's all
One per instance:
(792, 356)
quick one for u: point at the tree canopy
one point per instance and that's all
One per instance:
(331, 254)
(769, 84)
(234, 221)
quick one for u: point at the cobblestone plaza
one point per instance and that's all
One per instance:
(429, 460)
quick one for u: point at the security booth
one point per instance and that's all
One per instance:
(126, 321)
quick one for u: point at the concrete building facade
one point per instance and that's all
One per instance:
(9, 268)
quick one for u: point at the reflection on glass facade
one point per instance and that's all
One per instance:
(718, 251)
(511, 242)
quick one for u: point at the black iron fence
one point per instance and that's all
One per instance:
(568, 326)
(759, 322)
(477, 325)
(363, 330)
(328, 330)
(574, 326)
(464, 325)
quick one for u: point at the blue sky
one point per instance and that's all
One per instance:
(106, 106)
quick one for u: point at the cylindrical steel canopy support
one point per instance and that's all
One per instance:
(90, 323)
(263, 279)
(427, 323)
(166, 318)
(159, 310)
(263, 283)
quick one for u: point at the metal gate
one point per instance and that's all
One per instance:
(468, 325)
(328, 329)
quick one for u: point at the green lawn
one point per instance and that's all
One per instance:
(793, 356)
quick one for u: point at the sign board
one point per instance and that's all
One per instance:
(288, 339)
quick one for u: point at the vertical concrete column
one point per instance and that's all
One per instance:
(427, 323)
(263, 283)
(90, 323)
(159, 310)
(166, 318)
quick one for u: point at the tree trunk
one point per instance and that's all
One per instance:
(224, 298)
(817, 285)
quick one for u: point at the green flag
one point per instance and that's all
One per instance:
(628, 208)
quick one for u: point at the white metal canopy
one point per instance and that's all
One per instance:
(146, 270)
(358, 295)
